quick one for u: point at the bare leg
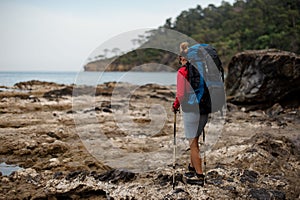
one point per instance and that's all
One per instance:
(195, 155)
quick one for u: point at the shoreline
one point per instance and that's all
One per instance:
(9, 79)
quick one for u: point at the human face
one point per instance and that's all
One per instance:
(182, 60)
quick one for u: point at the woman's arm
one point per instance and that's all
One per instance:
(180, 89)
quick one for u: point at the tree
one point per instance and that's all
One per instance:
(246, 24)
(105, 52)
(116, 51)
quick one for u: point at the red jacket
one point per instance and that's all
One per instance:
(182, 86)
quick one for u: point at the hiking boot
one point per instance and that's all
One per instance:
(200, 176)
(197, 179)
(191, 169)
(189, 174)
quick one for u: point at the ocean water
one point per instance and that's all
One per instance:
(7, 169)
(89, 78)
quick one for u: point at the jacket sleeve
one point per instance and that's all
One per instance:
(180, 89)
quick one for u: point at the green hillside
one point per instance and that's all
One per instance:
(245, 25)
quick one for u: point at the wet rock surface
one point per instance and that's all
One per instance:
(256, 157)
(259, 79)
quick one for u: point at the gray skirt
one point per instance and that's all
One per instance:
(193, 123)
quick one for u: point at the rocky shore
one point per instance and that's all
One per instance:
(43, 132)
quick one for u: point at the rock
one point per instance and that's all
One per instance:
(264, 194)
(80, 193)
(107, 110)
(35, 84)
(276, 109)
(5, 179)
(57, 175)
(249, 176)
(71, 112)
(67, 91)
(231, 107)
(260, 194)
(76, 174)
(106, 104)
(178, 193)
(214, 178)
(231, 189)
(57, 147)
(161, 97)
(34, 98)
(53, 135)
(116, 176)
(28, 172)
(278, 195)
(277, 147)
(54, 162)
(165, 179)
(259, 79)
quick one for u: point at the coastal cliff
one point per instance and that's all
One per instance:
(144, 60)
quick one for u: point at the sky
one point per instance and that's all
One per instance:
(60, 35)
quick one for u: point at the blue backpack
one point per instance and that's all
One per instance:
(206, 78)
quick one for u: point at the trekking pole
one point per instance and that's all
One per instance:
(204, 156)
(174, 150)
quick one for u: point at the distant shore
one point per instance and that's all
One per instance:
(9, 79)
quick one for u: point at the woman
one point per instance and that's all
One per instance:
(194, 122)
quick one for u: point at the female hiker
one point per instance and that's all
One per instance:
(194, 122)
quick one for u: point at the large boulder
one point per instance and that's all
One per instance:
(259, 79)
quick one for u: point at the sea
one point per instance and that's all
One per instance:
(9, 79)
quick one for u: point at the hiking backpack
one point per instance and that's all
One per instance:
(206, 77)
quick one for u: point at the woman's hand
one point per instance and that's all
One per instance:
(174, 110)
